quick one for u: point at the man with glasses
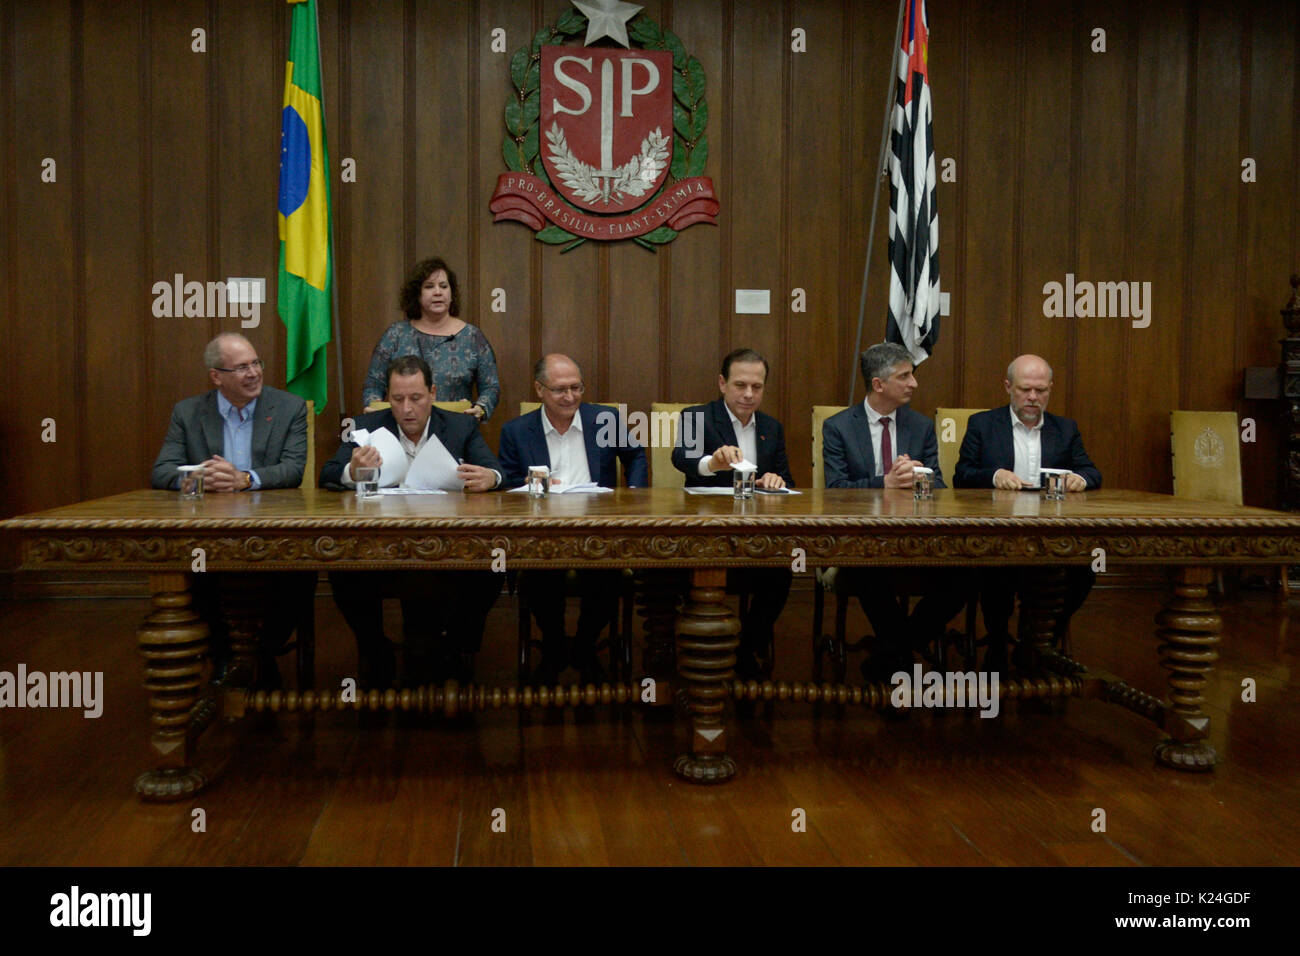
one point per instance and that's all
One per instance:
(247, 436)
(569, 436)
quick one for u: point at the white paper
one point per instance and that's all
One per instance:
(434, 468)
(411, 491)
(394, 464)
(584, 488)
(710, 491)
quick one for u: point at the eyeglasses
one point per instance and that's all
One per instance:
(254, 366)
(566, 390)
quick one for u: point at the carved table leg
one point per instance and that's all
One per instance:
(174, 641)
(706, 659)
(1189, 628)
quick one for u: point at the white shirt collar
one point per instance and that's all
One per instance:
(1015, 420)
(549, 429)
(735, 422)
(874, 416)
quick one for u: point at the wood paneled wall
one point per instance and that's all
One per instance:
(1117, 166)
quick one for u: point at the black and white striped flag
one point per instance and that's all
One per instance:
(913, 221)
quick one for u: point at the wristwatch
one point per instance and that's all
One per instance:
(248, 481)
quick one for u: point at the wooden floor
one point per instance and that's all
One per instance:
(594, 787)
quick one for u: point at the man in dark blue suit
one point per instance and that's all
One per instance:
(571, 437)
(878, 444)
(1005, 448)
(734, 430)
(456, 602)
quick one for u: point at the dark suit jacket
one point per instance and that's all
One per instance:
(523, 443)
(718, 432)
(279, 446)
(457, 431)
(988, 446)
(848, 459)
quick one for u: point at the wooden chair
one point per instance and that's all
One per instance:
(1206, 454)
(619, 641)
(950, 428)
(836, 645)
(665, 419)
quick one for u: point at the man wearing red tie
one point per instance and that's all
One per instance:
(877, 445)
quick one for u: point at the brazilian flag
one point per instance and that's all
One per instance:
(306, 250)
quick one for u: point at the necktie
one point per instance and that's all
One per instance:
(886, 448)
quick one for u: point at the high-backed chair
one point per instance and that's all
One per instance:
(950, 428)
(1206, 459)
(665, 419)
(619, 641)
(1206, 455)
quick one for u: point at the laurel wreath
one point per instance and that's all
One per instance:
(634, 178)
(521, 144)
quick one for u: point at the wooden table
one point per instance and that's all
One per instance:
(157, 533)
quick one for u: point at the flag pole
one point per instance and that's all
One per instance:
(875, 193)
(334, 276)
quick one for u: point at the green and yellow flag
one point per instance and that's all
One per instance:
(306, 251)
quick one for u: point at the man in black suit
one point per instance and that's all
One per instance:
(1005, 448)
(878, 444)
(454, 602)
(248, 437)
(573, 439)
(734, 430)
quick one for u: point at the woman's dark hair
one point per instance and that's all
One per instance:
(409, 297)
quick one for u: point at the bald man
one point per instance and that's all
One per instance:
(1005, 448)
(570, 437)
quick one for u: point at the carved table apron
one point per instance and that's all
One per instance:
(306, 529)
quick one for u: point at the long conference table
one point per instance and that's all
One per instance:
(690, 652)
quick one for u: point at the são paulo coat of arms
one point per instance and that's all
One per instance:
(601, 142)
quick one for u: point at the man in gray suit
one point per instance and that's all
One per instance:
(248, 437)
(878, 444)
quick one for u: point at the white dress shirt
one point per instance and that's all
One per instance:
(568, 452)
(746, 440)
(1029, 449)
(877, 429)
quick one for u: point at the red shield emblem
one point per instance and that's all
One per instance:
(606, 124)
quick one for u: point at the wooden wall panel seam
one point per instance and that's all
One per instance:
(210, 63)
(726, 263)
(1018, 173)
(79, 264)
(848, 121)
(473, 213)
(1076, 176)
(1189, 199)
(148, 265)
(962, 270)
(781, 311)
(1130, 226)
(410, 186)
(8, 162)
(1244, 207)
(664, 314)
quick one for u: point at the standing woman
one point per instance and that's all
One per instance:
(458, 353)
